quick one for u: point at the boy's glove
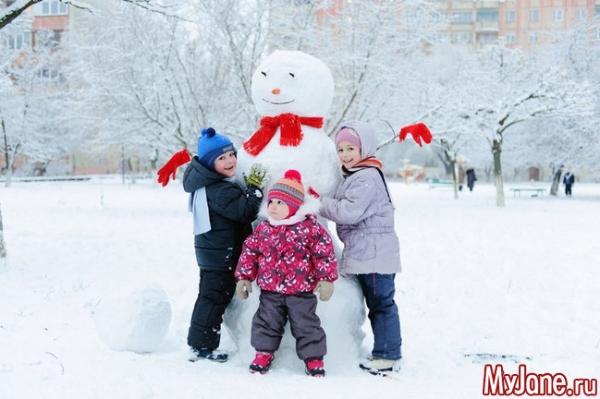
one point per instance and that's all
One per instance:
(257, 176)
(325, 290)
(243, 288)
(170, 168)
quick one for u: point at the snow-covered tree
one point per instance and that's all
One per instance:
(577, 139)
(514, 89)
(155, 81)
(368, 45)
(31, 121)
(445, 94)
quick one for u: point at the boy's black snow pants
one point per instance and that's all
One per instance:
(215, 292)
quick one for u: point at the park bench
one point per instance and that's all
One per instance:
(536, 191)
(433, 183)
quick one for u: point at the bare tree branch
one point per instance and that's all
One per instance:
(12, 12)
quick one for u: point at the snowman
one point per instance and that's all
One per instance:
(292, 91)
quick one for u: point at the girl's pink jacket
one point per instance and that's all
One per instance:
(288, 258)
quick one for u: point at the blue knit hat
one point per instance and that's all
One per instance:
(212, 145)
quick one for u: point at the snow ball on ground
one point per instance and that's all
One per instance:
(137, 322)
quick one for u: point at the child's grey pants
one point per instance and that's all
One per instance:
(270, 319)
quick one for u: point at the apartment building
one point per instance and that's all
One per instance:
(518, 23)
(48, 16)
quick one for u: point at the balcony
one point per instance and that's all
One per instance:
(486, 26)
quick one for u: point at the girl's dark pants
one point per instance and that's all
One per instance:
(379, 291)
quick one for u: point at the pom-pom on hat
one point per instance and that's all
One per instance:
(347, 134)
(290, 190)
(212, 145)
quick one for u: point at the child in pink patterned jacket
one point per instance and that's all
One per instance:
(291, 256)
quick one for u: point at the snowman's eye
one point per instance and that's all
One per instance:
(264, 73)
(292, 75)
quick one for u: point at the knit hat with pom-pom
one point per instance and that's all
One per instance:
(212, 145)
(289, 190)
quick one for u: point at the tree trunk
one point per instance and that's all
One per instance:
(8, 177)
(2, 245)
(454, 179)
(556, 180)
(131, 171)
(496, 151)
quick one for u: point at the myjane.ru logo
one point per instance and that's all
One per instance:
(498, 383)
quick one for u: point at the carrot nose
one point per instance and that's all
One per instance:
(275, 91)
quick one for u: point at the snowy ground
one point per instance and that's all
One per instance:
(523, 281)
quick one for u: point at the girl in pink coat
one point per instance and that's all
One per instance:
(291, 256)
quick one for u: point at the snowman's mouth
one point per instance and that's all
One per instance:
(276, 103)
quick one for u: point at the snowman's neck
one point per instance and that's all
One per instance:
(290, 126)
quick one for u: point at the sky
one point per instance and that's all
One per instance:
(480, 285)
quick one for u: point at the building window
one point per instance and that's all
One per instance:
(436, 38)
(19, 41)
(462, 17)
(511, 16)
(487, 38)
(47, 38)
(557, 15)
(534, 16)
(582, 14)
(50, 7)
(487, 15)
(510, 38)
(533, 37)
(597, 10)
(50, 76)
(461, 38)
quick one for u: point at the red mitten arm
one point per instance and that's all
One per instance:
(312, 192)
(419, 131)
(170, 168)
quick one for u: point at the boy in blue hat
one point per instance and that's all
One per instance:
(223, 213)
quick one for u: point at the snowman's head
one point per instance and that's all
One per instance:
(292, 82)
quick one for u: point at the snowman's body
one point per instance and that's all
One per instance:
(315, 158)
(292, 82)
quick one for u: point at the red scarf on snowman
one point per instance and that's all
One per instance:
(290, 127)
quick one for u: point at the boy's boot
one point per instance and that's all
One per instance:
(208, 354)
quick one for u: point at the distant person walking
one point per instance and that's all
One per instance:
(568, 181)
(471, 178)
(461, 177)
